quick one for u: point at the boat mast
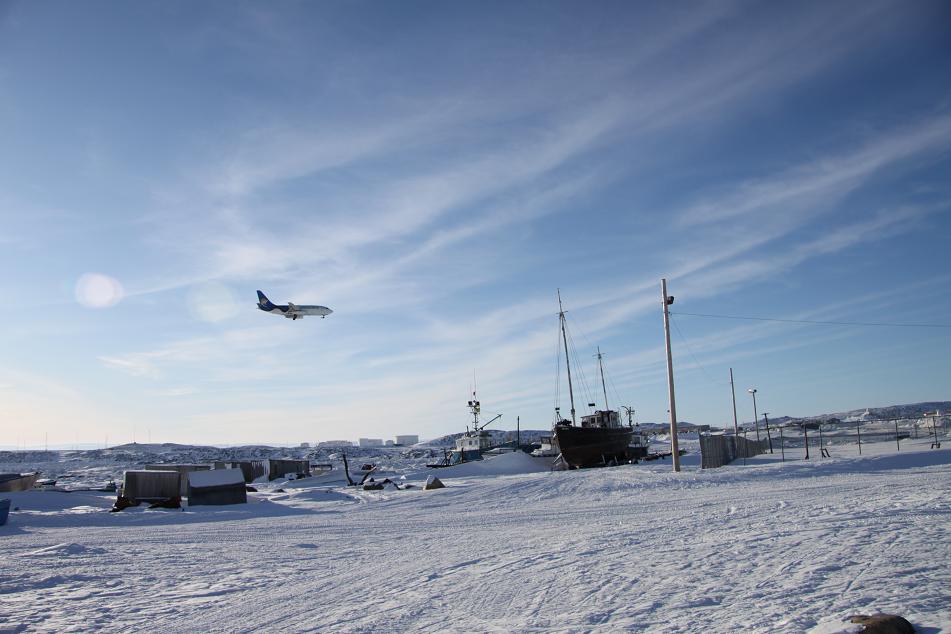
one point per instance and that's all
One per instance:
(564, 337)
(601, 365)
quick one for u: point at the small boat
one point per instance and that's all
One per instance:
(475, 442)
(10, 482)
(638, 447)
(547, 448)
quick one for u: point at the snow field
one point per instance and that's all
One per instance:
(767, 547)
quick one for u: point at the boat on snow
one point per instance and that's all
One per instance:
(601, 439)
(10, 482)
(475, 442)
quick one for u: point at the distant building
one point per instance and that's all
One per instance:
(371, 442)
(408, 439)
(335, 443)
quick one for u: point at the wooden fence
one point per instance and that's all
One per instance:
(718, 450)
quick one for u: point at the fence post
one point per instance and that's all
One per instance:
(746, 447)
(897, 444)
(858, 429)
(805, 435)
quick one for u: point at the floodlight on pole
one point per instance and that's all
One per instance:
(752, 391)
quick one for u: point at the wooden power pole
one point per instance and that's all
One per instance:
(674, 447)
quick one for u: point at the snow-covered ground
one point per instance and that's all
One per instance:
(767, 547)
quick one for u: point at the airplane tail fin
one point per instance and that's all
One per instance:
(263, 302)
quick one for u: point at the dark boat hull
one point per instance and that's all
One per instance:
(10, 482)
(592, 446)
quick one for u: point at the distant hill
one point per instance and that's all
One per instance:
(912, 410)
(681, 426)
(498, 436)
(157, 447)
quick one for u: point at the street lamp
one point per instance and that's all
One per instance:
(752, 391)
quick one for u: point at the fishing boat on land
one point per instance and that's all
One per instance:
(475, 442)
(601, 439)
(10, 482)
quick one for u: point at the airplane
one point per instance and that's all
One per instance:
(289, 310)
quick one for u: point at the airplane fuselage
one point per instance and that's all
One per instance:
(291, 311)
(297, 311)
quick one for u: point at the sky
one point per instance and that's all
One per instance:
(434, 172)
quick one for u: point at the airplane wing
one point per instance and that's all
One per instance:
(292, 307)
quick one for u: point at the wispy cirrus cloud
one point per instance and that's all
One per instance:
(436, 210)
(414, 197)
(816, 186)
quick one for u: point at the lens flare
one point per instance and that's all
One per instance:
(95, 290)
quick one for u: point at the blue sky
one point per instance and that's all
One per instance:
(434, 172)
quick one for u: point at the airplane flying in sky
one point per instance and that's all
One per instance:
(289, 310)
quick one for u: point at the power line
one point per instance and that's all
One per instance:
(814, 321)
(687, 345)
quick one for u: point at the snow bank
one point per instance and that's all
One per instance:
(512, 463)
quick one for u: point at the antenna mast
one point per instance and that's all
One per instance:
(630, 414)
(475, 408)
(564, 337)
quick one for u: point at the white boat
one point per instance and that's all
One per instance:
(547, 449)
(474, 443)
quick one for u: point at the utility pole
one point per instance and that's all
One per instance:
(674, 445)
(768, 437)
(736, 427)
